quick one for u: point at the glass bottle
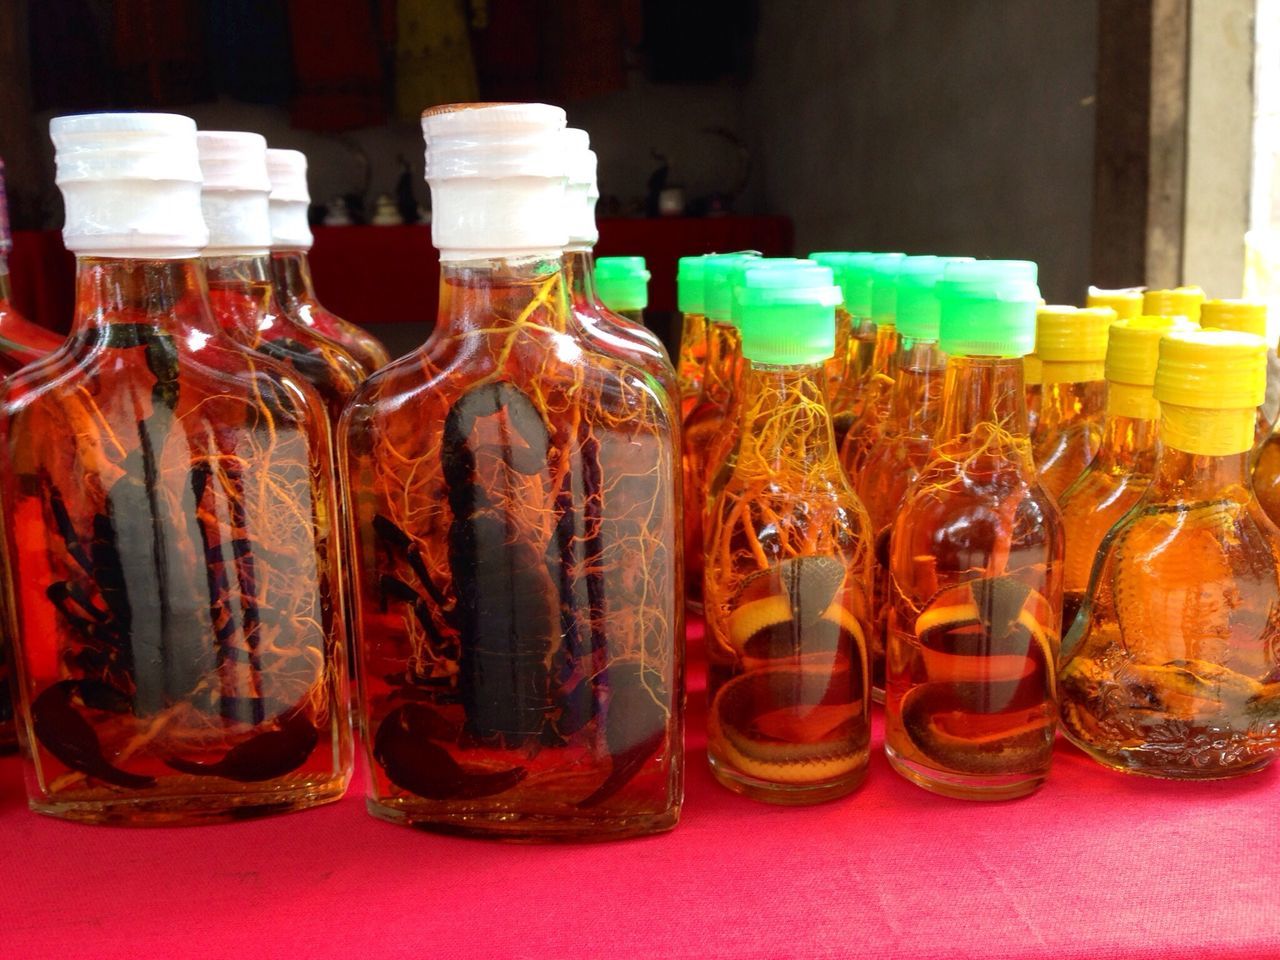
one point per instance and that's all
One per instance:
(788, 570)
(238, 269)
(1071, 344)
(877, 385)
(1171, 667)
(1125, 301)
(1033, 383)
(1125, 461)
(976, 563)
(623, 285)
(1243, 316)
(168, 508)
(856, 280)
(1176, 302)
(903, 447)
(291, 270)
(692, 360)
(515, 502)
(845, 358)
(716, 409)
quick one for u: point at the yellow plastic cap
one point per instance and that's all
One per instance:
(1244, 316)
(1072, 334)
(1126, 302)
(1178, 302)
(1212, 369)
(1134, 347)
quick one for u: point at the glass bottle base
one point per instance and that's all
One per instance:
(525, 828)
(191, 809)
(962, 786)
(786, 794)
(1141, 763)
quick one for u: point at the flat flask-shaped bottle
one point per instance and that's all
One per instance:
(515, 501)
(291, 268)
(788, 569)
(169, 515)
(1071, 344)
(691, 359)
(1125, 461)
(976, 563)
(1172, 667)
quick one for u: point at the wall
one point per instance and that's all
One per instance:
(931, 127)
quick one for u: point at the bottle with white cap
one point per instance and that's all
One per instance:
(291, 240)
(238, 268)
(168, 508)
(21, 341)
(516, 527)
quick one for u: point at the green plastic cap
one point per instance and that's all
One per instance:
(919, 312)
(988, 308)
(787, 312)
(884, 288)
(690, 284)
(738, 272)
(622, 282)
(856, 278)
(717, 296)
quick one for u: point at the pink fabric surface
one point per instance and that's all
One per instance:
(1095, 865)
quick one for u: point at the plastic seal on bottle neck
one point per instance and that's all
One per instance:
(290, 229)
(786, 312)
(581, 192)
(497, 174)
(1209, 384)
(235, 192)
(130, 183)
(988, 308)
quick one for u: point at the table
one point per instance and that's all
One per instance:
(1096, 864)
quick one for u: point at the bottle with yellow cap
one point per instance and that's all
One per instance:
(1171, 667)
(1125, 301)
(788, 567)
(1125, 461)
(1245, 316)
(1033, 383)
(691, 359)
(1175, 302)
(857, 279)
(1072, 346)
(975, 557)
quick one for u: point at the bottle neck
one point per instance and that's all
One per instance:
(983, 392)
(168, 295)
(291, 271)
(480, 297)
(240, 291)
(917, 392)
(724, 362)
(580, 276)
(785, 423)
(1064, 403)
(1185, 476)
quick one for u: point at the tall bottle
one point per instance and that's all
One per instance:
(877, 384)
(521, 632)
(1072, 347)
(1175, 302)
(21, 341)
(1243, 316)
(788, 571)
(1171, 668)
(623, 283)
(856, 279)
(691, 361)
(901, 451)
(177, 599)
(1125, 301)
(1125, 462)
(290, 241)
(715, 409)
(976, 563)
(238, 269)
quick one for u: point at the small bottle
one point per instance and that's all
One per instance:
(1125, 301)
(845, 358)
(976, 562)
(856, 279)
(623, 285)
(237, 264)
(169, 510)
(1125, 461)
(516, 512)
(1071, 344)
(903, 447)
(21, 341)
(290, 240)
(715, 409)
(788, 572)
(692, 360)
(1176, 302)
(1170, 668)
(1243, 316)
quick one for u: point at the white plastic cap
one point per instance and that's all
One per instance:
(290, 199)
(236, 188)
(581, 193)
(130, 183)
(497, 175)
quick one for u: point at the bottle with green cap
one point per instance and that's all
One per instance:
(1071, 344)
(623, 286)
(691, 360)
(845, 357)
(1246, 316)
(788, 563)
(856, 279)
(975, 560)
(1125, 462)
(902, 449)
(1170, 668)
(712, 411)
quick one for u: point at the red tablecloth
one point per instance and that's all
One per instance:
(1095, 865)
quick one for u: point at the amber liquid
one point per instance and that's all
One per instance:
(291, 273)
(1172, 668)
(976, 565)
(788, 603)
(845, 400)
(877, 402)
(691, 362)
(516, 536)
(177, 597)
(1068, 432)
(1266, 475)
